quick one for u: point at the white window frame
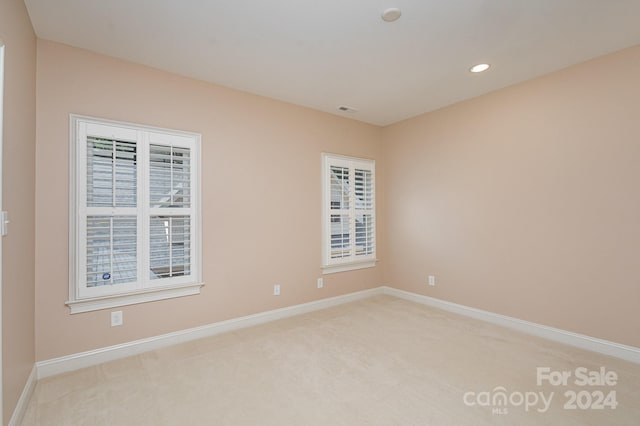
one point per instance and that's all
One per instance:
(83, 298)
(353, 261)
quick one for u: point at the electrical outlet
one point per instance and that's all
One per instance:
(432, 280)
(320, 282)
(276, 290)
(116, 318)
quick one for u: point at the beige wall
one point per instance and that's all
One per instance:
(526, 201)
(520, 202)
(18, 198)
(261, 195)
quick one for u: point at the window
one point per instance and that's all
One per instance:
(349, 224)
(135, 214)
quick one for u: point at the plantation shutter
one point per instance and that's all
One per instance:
(340, 207)
(110, 221)
(170, 201)
(364, 213)
(349, 211)
(136, 223)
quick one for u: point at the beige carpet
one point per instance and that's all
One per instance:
(381, 361)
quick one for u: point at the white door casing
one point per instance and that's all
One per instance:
(2, 216)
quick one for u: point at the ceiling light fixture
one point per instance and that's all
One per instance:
(479, 68)
(391, 14)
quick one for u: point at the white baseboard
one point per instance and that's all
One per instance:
(87, 359)
(25, 397)
(627, 353)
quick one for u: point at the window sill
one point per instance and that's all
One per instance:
(343, 267)
(106, 302)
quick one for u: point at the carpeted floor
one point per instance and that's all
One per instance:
(380, 361)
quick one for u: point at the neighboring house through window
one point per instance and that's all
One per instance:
(349, 224)
(135, 214)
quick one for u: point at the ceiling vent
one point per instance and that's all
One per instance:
(344, 108)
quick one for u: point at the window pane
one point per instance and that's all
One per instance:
(339, 188)
(111, 250)
(111, 173)
(340, 246)
(365, 239)
(170, 174)
(364, 189)
(170, 241)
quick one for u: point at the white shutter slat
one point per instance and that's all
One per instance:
(340, 236)
(170, 246)
(111, 254)
(340, 232)
(170, 176)
(111, 173)
(364, 219)
(339, 188)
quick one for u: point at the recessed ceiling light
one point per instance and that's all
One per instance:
(479, 68)
(391, 14)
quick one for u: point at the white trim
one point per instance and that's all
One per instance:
(25, 397)
(332, 269)
(4, 229)
(86, 359)
(77, 361)
(134, 126)
(94, 304)
(593, 344)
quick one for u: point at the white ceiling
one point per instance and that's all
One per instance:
(325, 53)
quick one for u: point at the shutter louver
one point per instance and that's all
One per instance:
(111, 240)
(170, 176)
(111, 173)
(170, 246)
(339, 188)
(170, 189)
(340, 229)
(111, 250)
(340, 243)
(365, 230)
